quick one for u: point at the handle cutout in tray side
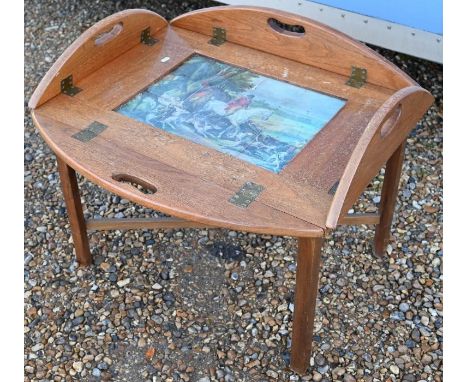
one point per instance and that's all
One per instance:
(109, 35)
(141, 185)
(287, 29)
(390, 122)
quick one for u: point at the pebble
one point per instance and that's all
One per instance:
(377, 288)
(141, 343)
(398, 316)
(319, 360)
(404, 307)
(96, 372)
(123, 282)
(349, 378)
(394, 369)
(78, 321)
(78, 366)
(37, 347)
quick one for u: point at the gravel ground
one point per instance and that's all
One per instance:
(206, 305)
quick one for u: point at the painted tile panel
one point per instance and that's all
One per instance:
(255, 118)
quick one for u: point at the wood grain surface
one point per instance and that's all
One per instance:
(84, 56)
(194, 182)
(387, 130)
(320, 45)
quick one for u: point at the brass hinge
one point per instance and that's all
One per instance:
(333, 188)
(146, 38)
(90, 132)
(67, 87)
(246, 194)
(358, 77)
(219, 36)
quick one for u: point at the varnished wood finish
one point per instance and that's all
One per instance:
(383, 135)
(320, 46)
(71, 196)
(349, 150)
(388, 199)
(307, 280)
(180, 193)
(135, 223)
(186, 174)
(356, 219)
(83, 57)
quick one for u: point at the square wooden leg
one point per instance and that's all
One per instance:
(71, 195)
(307, 280)
(388, 199)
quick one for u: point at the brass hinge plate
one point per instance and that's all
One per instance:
(358, 77)
(246, 194)
(92, 131)
(333, 188)
(145, 37)
(67, 87)
(219, 36)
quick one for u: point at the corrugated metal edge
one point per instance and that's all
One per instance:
(397, 37)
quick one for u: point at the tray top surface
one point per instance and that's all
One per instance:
(227, 135)
(234, 110)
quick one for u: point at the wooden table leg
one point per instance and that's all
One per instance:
(71, 195)
(307, 279)
(388, 199)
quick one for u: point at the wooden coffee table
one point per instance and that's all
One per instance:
(236, 117)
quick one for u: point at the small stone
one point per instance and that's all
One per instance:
(105, 266)
(114, 293)
(231, 354)
(319, 360)
(272, 374)
(338, 371)
(79, 312)
(404, 307)
(349, 378)
(141, 343)
(123, 282)
(96, 372)
(397, 316)
(395, 369)
(323, 369)
(204, 379)
(415, 335)
(78, 366)
(426, 359)
(78, 321)
(317, 377)
(29, 369)
(37, 347)
(376, 288)
(389, 249)
(169, 298)
(164, 275)
(157, 286)
(416, 205)
(235, 276)
(269, 274)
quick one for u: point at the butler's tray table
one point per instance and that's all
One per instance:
(237, 117)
